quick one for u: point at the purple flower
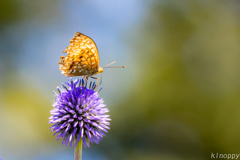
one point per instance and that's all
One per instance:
(79, 113)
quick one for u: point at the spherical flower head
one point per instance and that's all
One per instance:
(79, 113)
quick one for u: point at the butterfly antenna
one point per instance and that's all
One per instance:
(117, 67)
(113, 66)
(110, 64)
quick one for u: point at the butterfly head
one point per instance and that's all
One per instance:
(100, 70)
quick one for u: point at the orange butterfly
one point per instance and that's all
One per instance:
(82, 58)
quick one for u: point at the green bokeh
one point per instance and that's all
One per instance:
(185, 102)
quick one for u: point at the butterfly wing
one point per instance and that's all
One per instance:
(82, 57)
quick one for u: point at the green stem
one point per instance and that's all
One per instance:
(78, 151)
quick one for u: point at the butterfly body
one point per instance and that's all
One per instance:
(82, 57)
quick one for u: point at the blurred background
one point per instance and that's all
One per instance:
(178, 97)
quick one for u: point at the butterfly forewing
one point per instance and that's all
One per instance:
(82, 57)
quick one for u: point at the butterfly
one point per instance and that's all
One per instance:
(82, 58)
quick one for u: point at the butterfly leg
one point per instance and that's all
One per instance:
(85, 80)
(96, 83)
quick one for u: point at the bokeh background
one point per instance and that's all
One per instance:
(178, 97)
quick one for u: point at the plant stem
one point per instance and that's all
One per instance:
(78, 151)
